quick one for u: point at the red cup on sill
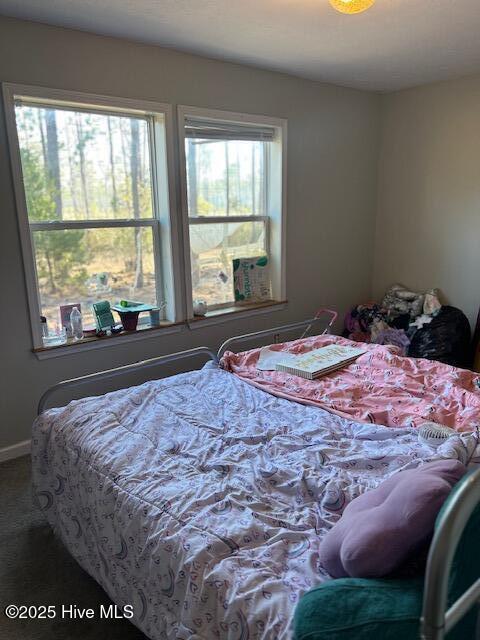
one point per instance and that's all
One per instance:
(129, 319)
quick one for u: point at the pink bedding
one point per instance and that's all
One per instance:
(380, 386)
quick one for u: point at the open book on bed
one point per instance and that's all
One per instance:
(319, 362)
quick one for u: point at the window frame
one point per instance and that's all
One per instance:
(275, 205)
(163, 223)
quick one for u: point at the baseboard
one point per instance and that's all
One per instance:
(15, 450)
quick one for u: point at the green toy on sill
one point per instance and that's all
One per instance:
(103, 315)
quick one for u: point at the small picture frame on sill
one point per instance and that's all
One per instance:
(65, 312)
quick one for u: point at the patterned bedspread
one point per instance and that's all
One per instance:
(202, 501)
(380, 387)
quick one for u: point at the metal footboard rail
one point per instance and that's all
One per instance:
(302, 324)
(128, 368)
(436, 621)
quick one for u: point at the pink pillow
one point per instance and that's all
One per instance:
(379, 529)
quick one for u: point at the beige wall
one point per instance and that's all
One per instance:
(428, 220)
(332, 159)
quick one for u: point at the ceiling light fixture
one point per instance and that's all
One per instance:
(351, 6)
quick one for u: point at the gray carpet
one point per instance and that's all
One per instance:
(36, 569)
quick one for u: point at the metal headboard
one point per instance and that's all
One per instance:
(171, 357)
(307, 324)
(128, 368)
(436, 621)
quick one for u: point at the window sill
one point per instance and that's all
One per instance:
(225, 314)
(87, 344)
(213, 317)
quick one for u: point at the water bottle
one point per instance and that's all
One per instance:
(76, 324)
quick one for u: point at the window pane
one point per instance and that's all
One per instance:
(213, 247)
(79, 165)
(225, 177)
(93, 264)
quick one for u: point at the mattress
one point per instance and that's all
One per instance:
(202, 501)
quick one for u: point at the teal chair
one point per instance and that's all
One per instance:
(409, 609)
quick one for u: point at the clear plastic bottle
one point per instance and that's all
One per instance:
(76, 324)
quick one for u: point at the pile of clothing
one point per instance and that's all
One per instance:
(415, 322)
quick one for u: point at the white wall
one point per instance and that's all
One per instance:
(332, 159)
(428, 220)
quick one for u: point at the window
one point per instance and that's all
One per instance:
(233, 200)
(94, 206)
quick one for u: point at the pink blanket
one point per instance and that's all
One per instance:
(380, 386)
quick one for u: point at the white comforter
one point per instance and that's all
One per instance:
(202, 501)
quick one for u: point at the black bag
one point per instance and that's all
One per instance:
(446, 338)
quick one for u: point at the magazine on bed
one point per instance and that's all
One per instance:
(320, 362)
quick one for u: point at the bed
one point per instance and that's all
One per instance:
(202, 500)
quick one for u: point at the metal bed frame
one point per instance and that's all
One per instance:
(306, 324)
(181, 355)
(118, 371)
(436, 620)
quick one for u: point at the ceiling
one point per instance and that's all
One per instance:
(394, 45)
